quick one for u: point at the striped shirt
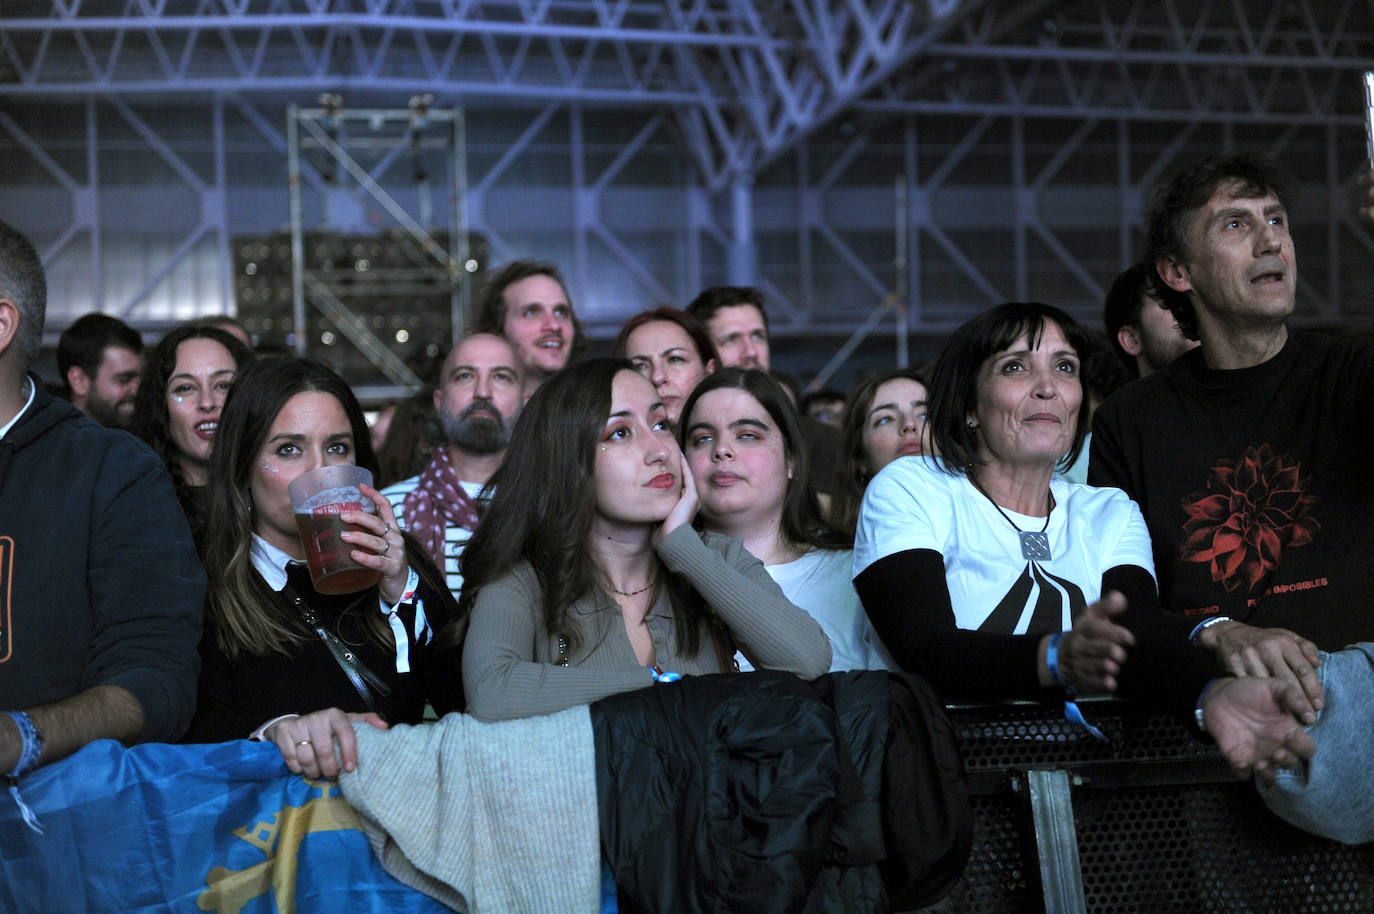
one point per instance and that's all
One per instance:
(455, 537)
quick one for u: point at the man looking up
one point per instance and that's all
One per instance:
(738, 325)
(1249, 455)
(100, 589)
(1142, 330)
(478, 399)
(526, 301)
(100, 359)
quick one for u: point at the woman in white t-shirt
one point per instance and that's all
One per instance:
(986, 574)
(983, 571)
(741, 435)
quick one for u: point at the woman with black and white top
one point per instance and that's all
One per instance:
(281, 661)
(994, 579)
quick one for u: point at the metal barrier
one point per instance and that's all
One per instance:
(1150, 821)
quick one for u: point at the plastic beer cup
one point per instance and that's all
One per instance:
(318, 498)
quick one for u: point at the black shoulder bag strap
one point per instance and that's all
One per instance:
(363, 679)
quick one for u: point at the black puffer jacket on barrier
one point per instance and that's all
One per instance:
(764, 793)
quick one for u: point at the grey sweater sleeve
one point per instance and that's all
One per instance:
(773, 632)
(502, 677)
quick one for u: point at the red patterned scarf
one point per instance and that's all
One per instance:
(436, 501)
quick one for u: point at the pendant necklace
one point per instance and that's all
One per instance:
(1035, 544)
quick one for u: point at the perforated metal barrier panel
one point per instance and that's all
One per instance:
(1160, 825)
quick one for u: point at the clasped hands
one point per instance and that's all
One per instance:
(1091, 654)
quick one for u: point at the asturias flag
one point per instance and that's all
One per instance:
(223, 828)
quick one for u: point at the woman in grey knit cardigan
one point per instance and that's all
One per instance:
(585, 577)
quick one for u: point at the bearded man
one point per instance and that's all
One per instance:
(478, 398)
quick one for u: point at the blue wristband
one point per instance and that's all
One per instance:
(1072, 712)
(1205, 624)
(30, 750)
(32, 744)
(1052, 660)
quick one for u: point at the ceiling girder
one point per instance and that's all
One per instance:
(747, 79)
(755, 73)
(1149, 60)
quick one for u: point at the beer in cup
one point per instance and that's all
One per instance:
(318, 498)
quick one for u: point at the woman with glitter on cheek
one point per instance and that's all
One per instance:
(176, 411)
(281, 660)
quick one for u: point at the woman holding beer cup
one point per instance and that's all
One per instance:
(287, 656)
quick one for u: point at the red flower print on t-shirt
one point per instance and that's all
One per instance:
(1249, 512)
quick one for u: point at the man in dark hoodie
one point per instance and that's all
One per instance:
(100, 588)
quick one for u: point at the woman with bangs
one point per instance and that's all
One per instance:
(742, 439)
(981, 554)
(992, 577)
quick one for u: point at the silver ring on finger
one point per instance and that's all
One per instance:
(303, 742)
(387, 549)
(387, 530)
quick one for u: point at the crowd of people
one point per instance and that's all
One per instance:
(583, 527)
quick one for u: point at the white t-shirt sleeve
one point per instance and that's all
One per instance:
(901, 510)
(819, 583)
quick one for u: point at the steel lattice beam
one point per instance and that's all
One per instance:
(747, 78)
(1149, 60)
(747, 84)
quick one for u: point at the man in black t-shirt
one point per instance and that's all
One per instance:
(1247, 455)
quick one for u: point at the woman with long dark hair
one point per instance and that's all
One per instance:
(742, 439)
(274, 647)
(884, 418)
(186, 378)
(585, 577)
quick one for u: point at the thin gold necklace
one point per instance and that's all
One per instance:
(630, 593)
(653, 579)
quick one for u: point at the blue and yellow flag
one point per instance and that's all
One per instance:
(222, 828)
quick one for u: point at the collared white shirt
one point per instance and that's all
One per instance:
(271, 563)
